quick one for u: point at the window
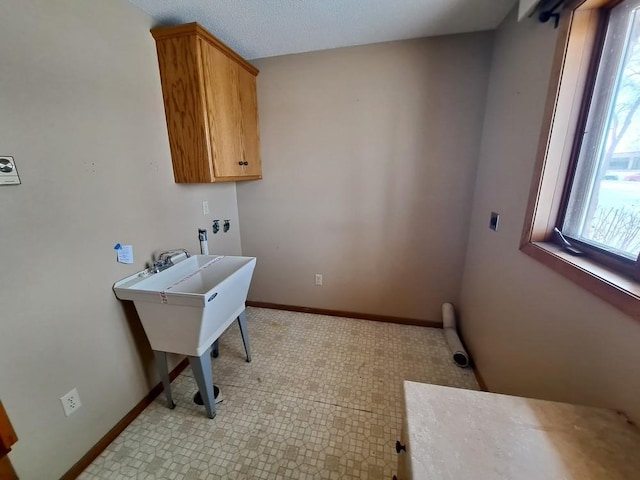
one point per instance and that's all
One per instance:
(586, 183)
(601, 212)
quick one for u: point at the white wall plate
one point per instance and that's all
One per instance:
(8, 172)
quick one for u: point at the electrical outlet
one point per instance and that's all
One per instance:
(205, 207)
(71, 402)
(318, 279)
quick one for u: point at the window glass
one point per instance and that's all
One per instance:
(604, 202)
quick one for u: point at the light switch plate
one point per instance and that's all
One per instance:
(8, 171)
(495, 220)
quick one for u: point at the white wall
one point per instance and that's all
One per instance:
(369, 158)
(82, 114)
(530, 331)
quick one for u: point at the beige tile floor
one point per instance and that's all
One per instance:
(321, 399)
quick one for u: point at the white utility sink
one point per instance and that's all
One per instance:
(185, 308)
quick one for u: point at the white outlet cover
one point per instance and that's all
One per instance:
(205, 207)
(71, 402)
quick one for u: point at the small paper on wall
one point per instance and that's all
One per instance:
(125, 253)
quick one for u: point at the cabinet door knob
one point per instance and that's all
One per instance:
(240, 163)
(400, 447)
(245, 163)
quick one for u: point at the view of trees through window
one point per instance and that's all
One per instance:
(604, 204)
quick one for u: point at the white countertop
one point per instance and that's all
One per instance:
(464, 434)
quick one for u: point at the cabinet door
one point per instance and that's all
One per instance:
(250, 130)
(224, 112)
(182, 94)
(7, 439)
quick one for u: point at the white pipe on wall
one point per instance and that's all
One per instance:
(204, 245)
(460, 355)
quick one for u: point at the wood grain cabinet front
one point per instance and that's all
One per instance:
(8, 438)
(211, 106)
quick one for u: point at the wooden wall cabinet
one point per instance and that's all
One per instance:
(211, 106)
(8, 438)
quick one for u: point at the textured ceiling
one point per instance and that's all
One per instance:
(264, 28)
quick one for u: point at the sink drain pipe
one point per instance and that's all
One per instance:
(460, 355)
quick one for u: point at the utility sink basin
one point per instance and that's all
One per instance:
(186, 307)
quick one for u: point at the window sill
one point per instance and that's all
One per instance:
(612, 287)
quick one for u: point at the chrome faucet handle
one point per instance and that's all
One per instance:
(167, 261)
(166, 255)
(164, 258)
(157, 266)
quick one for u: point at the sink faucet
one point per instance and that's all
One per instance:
(164, 259)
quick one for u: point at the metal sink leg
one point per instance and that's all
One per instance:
(163, 370)
(201, 367)
(244, 331)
